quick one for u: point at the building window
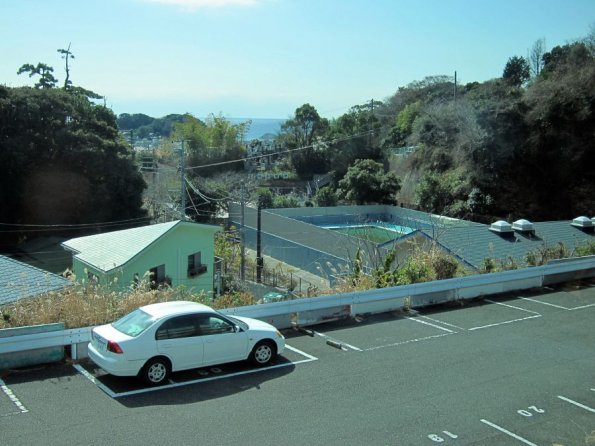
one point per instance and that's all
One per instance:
(157, 276)
(92, 278)
(195, 265)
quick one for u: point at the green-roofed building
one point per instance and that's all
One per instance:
(174, 253)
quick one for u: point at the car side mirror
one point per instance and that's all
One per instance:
(236, 328)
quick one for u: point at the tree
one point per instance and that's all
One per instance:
(325, 196)
(264, 198)
(536, 57)
(366, 182)
(354, 136)
(64, 160)
(66, 55)
(213, 146)
(303, 126)
(566, 57)
(46, 78)
(300, 132)
(559, 156)
(517, 71)
(285, 201)
(444, 194)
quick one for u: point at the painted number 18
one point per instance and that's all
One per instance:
(438, 439)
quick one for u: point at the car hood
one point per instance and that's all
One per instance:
(256, 324)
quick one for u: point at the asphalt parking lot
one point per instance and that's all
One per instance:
(506, 370)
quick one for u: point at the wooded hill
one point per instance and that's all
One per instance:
(517, 146)
(522, 145)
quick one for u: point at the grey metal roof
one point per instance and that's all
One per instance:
(111, 250)
(475, 243)
(19, 280)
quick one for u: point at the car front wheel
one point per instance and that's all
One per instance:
(155, 371)
(263, 353)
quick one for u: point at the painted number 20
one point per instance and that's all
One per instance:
(528, 413)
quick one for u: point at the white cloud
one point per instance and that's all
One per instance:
(197, 4)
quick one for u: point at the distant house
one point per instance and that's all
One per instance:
(19, 280)
(174, 253)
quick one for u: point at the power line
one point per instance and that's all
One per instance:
(203, 196)
(77, 225)
(56, 228)
(239, 160)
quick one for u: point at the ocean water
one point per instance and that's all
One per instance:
(260, 126)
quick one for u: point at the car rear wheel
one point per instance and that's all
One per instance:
(156, 371)
(263, 353)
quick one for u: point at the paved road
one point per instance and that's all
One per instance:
(512, 370)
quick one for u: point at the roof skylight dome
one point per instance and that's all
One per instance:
(501, 227)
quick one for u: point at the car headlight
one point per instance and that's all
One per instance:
(279, 334)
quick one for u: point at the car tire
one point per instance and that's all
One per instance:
(263, 353)
(156, 371)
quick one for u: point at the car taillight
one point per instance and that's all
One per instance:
(114, 347)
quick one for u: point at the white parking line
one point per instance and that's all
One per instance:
(582, 406)
(544, 303)
(443, 323)
(395, 344)
(505, 322)
(12, 397)
(91, 378)
(558, 306)
(352, 347)
(582, 306)
(431, 325)
(299, 352)
(511, 306)
(507, 432)
(108, 391)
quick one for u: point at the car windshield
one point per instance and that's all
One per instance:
(243, 325)
(134, 323)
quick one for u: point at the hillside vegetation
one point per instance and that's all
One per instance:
(521, 145)
(517, 146)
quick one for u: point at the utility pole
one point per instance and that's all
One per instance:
(455, 92)
(259, 259)
(242, 237)
(183, 185)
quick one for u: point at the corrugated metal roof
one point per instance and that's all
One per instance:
(475, 243)
(19, 280)
(113, 249)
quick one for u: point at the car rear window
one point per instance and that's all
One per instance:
(134, 323)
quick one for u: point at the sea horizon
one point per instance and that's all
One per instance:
(260, 127)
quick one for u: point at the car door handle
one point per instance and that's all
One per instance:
(210, 341)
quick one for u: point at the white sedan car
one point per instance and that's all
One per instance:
(155, 340)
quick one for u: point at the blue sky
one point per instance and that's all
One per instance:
(265, 58)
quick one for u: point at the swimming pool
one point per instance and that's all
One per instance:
(375, 232)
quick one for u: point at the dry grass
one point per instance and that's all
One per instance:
(79, 306)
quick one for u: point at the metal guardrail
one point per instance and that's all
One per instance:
(321, 309)
(33, 341)
(427, 293)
